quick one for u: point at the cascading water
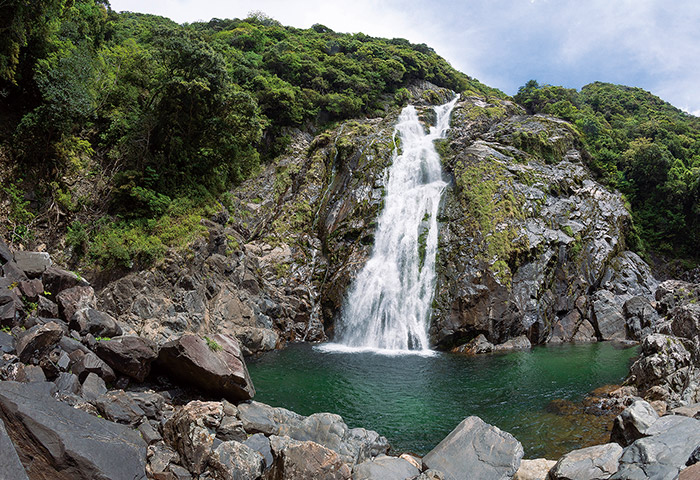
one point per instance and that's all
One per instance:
(388, 307)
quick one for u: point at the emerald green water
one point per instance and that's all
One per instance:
(416, 401)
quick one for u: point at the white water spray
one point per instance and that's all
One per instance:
(389, 304)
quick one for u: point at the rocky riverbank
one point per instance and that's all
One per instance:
(83, 396)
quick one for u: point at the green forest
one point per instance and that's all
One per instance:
(120, 131)
(644, 147)
(166, 117)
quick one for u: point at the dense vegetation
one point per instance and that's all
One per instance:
(643, 146)
(152, 121)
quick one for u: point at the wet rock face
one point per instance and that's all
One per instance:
(526, 232)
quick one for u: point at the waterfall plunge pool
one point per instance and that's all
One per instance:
(415, 401)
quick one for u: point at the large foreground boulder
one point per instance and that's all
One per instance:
(57, 442)
(129, 355)
(664, 452)
(215, 365)
(10, 466)
(295, 460)
(598, 462)
(475, 449)
(633, 423)
(385, 468)
(353, 445)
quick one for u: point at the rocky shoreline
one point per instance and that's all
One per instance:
(83, 397)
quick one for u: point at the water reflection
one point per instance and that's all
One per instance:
(415, 401)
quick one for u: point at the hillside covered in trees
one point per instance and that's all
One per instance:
(152, 121)
(118, 132)
(644, 147)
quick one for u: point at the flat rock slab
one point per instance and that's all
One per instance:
(593, 463)
(58, 442)
(216, 367)
(664, 453)
(33, 263)
(10, 466)
(475, 449)
(384, 468)
(129, 355)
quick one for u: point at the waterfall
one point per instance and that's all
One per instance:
(389, 304)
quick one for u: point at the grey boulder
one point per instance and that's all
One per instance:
(353, 445)
(216, 366)
(384, 468)
(593, 463)
(475, 449)
(10, 466)
(129, 355)
(633, 423)
(235, 461)
(58, 442)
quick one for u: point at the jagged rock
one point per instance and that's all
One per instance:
(218, 371)
(58, 442)
(476, 447)
(29, 374)
(566, 327)
(36, 342)
(633, 423)
(160, 456)
(129, 355)
(13, 273)
(354, 445)
(599, 462)
(517, 343)
(67, 383)
(6, 254)
(73, 299)
(31, 289)
(99, 324)
(10, 466)
(33, 263)
(665, 367)
(537, 469)
(151, 403)
(685, 320)
(233, 461)
(46, 308)
(301, 460)
(117, 406)
(7, 343)
(56, 280)
(694, 457)
(475, 346)
(149, 433)
(664, 452)
(430, 475)
(671, 293)
(231, 428)
(640, 317)
(261, 444)
(608, 319)
(86, 364)
(93, 387)
(385, 468)
(191, 432)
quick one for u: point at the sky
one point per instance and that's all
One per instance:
(652, 44)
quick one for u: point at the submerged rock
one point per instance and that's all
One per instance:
(476, 447)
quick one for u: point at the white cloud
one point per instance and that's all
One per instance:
(652, 44)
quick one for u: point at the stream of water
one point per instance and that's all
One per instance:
(388, 306)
